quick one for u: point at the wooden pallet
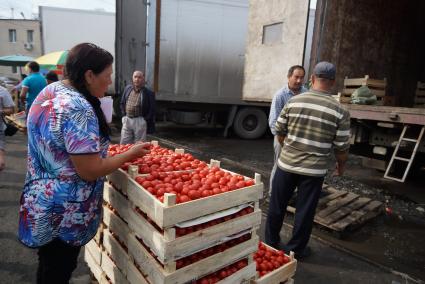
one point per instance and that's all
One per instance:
(156, 273)
(283, 274)
(340, 210)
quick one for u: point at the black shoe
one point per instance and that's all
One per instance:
(280, 246)
(303, 254)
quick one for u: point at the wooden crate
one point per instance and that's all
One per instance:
(341, 210)
(115, 224)
(93, 262)
(116, 252)
(280, 275)
(156, 273)
(134, 276)
(167, 247)
(377, 87)
(114, 274)
(95, 251)
(169, 213)
(117, 200)
(245, 275)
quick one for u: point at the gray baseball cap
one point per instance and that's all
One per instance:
(325, 70)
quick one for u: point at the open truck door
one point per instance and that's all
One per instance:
(276, 40)
(130, 42)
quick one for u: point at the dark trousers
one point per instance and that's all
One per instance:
(284, 184)
(56, 262)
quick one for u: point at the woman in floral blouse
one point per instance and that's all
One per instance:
(68, 138)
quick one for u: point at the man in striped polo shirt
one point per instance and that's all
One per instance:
(309, 127)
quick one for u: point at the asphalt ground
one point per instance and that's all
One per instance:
(328, 264)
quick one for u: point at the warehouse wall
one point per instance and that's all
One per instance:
(381, 38)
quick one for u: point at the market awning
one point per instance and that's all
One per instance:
(15, 60)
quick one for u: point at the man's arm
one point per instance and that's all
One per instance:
(342, 143)
(341, 159)
(23, 94)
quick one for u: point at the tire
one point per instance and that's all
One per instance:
(250, 123)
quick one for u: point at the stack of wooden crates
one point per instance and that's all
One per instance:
(376, 86)
(138, 242)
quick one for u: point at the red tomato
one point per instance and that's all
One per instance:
(184, 198)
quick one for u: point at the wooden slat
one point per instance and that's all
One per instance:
(115, 224)
(357, 216)
(116, 252)
(345, 210)
(93, 265)
(112, 271)
(134, 276)
(336, 204)
(165, 216)
(94, 250)
(155, 273)
(243, 275)
(324, 200)
(169, 250)
(119, 179)
(117, 200)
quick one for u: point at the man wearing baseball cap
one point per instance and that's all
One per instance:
(310, 127)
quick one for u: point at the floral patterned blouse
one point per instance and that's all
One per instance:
(56, 202)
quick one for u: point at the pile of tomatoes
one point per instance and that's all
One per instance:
(210, 251)
(268, 259)
(187, 186)
(188, 230)
(159, 159)
(222, 273)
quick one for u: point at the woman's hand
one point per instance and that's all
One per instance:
(91, 166)
(140, 149)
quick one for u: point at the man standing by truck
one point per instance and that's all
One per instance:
(138, 110)
(309, 126)
(295, 86)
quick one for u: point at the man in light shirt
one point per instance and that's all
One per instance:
(294, 87)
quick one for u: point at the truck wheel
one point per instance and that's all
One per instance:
(250, 123)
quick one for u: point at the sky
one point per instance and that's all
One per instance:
(29, 8)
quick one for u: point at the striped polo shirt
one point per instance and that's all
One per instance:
(313, 123)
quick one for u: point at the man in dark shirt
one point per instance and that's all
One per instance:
(138, 110)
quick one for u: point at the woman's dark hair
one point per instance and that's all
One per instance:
(81, 58)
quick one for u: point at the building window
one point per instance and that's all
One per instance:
(12, 35)
(272, 33)
(30, 35)
(14, 69)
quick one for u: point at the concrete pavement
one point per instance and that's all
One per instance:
(18, 264)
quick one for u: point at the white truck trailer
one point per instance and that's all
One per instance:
(193, 52)
(62, 28)
(221, 61)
